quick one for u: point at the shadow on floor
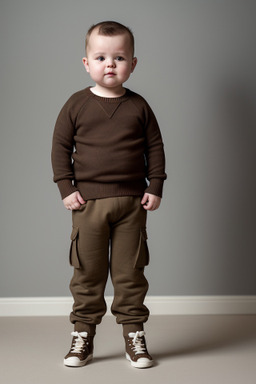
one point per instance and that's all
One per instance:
(217, 333)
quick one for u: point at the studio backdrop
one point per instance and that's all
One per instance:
(197, 69)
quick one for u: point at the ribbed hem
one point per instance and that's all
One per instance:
(95, 190)
(91, 190)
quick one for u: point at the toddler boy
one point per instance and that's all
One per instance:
(106, 143)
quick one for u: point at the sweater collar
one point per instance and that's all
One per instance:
(108, 99)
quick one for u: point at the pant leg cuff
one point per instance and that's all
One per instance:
(83, 327)
(127, 328)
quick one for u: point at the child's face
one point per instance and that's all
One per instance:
(109, 60)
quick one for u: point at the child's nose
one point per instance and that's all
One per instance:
(111, 63)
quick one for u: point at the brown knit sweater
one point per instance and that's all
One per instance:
(107, 147)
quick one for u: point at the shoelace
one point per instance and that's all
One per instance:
(78, 343)
(139, 346)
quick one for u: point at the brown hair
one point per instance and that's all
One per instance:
(110, 28)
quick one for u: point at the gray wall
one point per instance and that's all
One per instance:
(197, 67)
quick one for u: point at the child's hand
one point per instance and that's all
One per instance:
(73, 201)
(150, 202)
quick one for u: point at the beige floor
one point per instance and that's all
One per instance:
(186, 349)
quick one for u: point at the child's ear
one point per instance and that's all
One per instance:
(85, 63)
(134, 63)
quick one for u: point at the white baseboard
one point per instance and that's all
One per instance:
(158, 305)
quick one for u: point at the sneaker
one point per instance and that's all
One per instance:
(81, 350)
(136, 350)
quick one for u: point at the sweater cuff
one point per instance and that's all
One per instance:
(66, 188)
(155, 187)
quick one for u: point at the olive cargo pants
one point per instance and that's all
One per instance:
(109, 234)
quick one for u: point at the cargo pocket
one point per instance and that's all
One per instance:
(73, 253)
(142, 255)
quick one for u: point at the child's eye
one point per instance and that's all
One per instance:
(119, 58)
(100, 58)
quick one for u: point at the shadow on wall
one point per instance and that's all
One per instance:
(226, 196)
(236, 108)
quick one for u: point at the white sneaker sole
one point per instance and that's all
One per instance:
(146, 363)
(76, 362)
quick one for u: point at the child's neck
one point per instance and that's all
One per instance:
(108, 92)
